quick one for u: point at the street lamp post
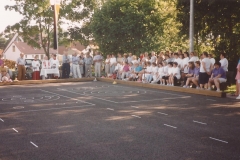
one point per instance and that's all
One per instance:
(191, 27)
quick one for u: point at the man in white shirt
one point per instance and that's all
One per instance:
(97, 60)
(153, 58)
(211, 59)
(113, 61)
(21, 67)
(224, 62)
(178, 60)
(193, 57)
(75, 66)
(55, 65)
(129, 58)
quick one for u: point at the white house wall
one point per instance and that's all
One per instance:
(9, 54)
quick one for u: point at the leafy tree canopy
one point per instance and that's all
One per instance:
(128, 26)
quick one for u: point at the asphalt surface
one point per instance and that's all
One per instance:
(101, 121)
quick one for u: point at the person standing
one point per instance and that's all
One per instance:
(35, 67)
(66, 66)
(88, 61)
(75, 66)
(97, 60)
(54, 65)
(21, 67)
(1, 61)
(205, 71)
(113, 62)
(81, 65)
(224, 62)
(107, 65)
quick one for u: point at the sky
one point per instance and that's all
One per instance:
(7, 17)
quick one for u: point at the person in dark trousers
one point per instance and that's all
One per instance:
(66, 66)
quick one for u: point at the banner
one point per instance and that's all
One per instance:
(56, 9)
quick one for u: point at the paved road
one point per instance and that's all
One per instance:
(97, 120)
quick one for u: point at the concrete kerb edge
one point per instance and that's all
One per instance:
(175, 89)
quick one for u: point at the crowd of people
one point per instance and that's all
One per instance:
(166, 68)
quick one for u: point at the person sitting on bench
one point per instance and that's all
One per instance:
(218, 76)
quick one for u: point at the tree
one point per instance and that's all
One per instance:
(3, 42)
(36, 27)
(127, 26)
(217, 24)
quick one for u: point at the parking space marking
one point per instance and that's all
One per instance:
(218, 140)
(15, 130)
(134, 107)
(170, 126)
(34, 144)
(136, 116)
(199, 122)
(110, 109)
(163, 113)
(1, 120)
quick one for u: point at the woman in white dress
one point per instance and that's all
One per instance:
(36, 68)
(46, 63)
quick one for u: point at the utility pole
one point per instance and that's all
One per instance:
(191, 27)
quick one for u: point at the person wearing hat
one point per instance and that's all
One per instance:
(21, 67)
(88, 61)
(218, 76)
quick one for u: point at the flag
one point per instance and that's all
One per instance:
(56, 9)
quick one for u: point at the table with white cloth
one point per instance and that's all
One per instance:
(45, 72)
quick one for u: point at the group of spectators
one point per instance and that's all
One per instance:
(166, 68)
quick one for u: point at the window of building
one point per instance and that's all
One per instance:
(13, 48)
(41, 56)
(25, 56)
(33, 56)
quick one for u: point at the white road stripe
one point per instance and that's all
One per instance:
(211, 100)
(163, 113)
(46, 109)
(110, 109)
(134, 107)
(218, 140)
(136, 116)
(15, 130)
(34, 144)
(1, 120)
(67, 97)
(199, 122)
(169, 126)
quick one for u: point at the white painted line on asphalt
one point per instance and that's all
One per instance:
(60, 104)
(46, 109)
(1, 120)
(134, 107)
(34, 144)
(218, 140)
(67, 97)
(136, 116)
(163, 113)
(169, 126)
(110, 109)
(210, 100)
(15, 130)
(85, 94)
(159, 99)
(199, 122)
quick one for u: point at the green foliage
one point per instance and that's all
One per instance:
(216, 25)
(128, 26)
